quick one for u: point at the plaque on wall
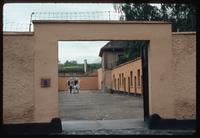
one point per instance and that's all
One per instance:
(45, 82)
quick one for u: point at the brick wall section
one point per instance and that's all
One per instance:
(184, 66)
(18, 92)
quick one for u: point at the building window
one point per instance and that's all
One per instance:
(124, 84)
(113, 81)
(129, 85)
(138, 73)
(122, 79)
(135, 84)
(115, 85)
(118, 83)
(131, 74)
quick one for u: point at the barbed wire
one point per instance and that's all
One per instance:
(16, 27)
(92, 15)
(89, 15)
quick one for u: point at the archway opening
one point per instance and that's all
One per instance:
(109, 77)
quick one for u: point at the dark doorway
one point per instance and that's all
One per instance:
(124, 84)
(145, 81)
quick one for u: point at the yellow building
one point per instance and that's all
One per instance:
(127, 77)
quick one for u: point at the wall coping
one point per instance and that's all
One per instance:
(97, 22)
(127, 63)
(32, 33)
(183, 33)
(77, 76)
(18, 33)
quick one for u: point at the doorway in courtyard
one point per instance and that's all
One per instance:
(103, 80)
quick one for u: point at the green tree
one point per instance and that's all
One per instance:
(93, 66)
(132, 50)
(69, 63)
(182, 16)
(141, 12)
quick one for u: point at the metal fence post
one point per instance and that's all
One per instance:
(109, 14)
(30, 21)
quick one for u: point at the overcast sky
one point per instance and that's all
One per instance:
(73, 50)
(80, 50)
(20, 13)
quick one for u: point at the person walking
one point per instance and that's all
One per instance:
(76, 86)
(70, 84)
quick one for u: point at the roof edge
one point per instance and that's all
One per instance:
(125, 63)
(183, 33)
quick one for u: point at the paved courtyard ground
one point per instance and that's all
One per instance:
(100, 113)
(98, 105)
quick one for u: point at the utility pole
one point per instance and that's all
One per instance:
(85, 65)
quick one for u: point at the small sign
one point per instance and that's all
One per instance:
(45, 82)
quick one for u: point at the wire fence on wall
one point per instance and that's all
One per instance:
(91, 16)
(16, 27)
(94, 15)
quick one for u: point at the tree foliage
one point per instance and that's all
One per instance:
(94, 66)
(141, 12)
(74, 67)
(132, 50)
(182, 16)
(70, 63)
